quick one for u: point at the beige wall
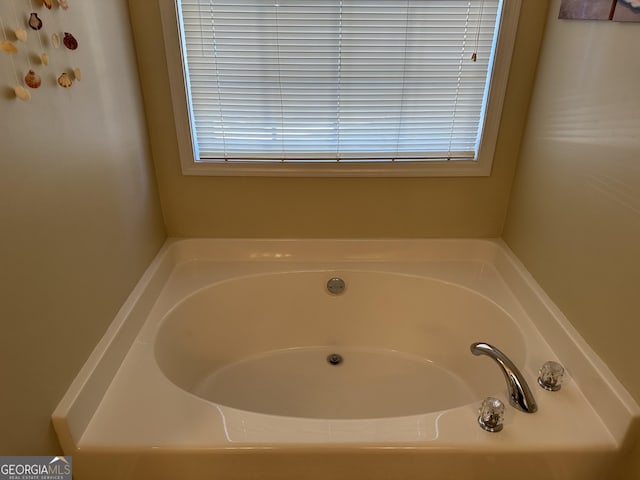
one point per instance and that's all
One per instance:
(574, 218)
(80, 219)
(575, 211)
(324, 207)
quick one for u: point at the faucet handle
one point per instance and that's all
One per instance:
(551, 376)
(491, 416)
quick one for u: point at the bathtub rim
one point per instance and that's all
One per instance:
(603, 390)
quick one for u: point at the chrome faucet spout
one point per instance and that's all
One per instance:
(520, 395)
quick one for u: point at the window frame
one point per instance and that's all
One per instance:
(180, 97)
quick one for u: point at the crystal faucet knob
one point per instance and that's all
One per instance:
(551, 375)
(491, 414)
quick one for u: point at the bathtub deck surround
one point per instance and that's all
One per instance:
(233, 358)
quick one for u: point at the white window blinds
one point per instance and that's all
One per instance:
(337, 80)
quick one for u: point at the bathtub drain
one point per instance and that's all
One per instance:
(336, 286)
(334, 359)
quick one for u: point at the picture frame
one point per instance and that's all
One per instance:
(616, 10)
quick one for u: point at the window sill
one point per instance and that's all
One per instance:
(452, 168)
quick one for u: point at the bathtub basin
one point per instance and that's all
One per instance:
(231, 359)
(403, 340)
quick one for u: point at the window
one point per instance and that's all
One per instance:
(338, 87)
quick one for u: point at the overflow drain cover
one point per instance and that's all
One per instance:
(334, 359)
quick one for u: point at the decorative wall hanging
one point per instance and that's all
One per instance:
(8, 47)
(21, 34)
(34, 21)
(70, 41)
(64, 80)
(627, 11)
(32, 32)
(617, 10)
(33, 80)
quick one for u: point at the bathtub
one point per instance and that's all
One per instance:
(232, 359)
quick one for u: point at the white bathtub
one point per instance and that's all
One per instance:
(216, 367)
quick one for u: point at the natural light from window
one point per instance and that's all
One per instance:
(335, 87)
